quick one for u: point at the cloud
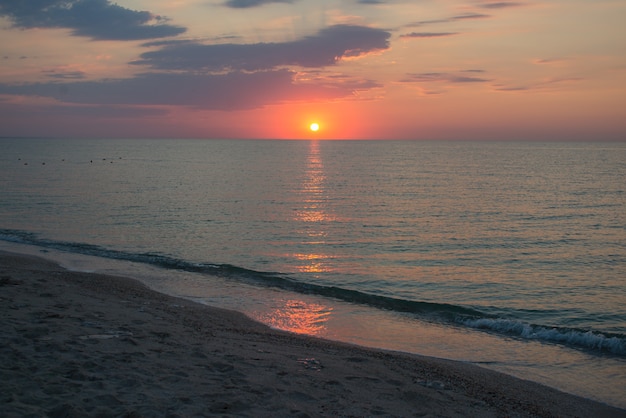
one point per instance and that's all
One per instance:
(468, 16)
(96, 19)
(550, 61)
(512, 88)
(244, 4)
(55, 110)
(325, 48)
(550, 84)
(33, 116)
(428, 34)
(231, 91)
(64, 75)
(532, 87)
(428, 22)
(221, 76)
(501, 5)
(445, 77)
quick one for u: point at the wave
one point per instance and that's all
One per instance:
(573, 337)
(439, 312)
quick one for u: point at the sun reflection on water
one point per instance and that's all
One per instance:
(312, 263)
(314, 214)
(313, 191)
(300, 317)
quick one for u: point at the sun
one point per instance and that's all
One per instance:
(314, 127)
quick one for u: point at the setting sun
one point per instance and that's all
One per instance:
(314, 127)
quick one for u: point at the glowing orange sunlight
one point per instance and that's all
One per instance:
(314, 127)
(300, 317)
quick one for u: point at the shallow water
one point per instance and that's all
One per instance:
(510, 255)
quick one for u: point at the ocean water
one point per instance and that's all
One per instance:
(510, 255)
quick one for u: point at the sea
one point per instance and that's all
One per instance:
(508, 255)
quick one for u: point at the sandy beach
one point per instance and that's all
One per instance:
(79, 344)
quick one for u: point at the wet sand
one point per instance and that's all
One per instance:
(79, 344)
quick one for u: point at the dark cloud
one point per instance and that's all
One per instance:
(221, 76)
(501, 5)
(64, 75)
(72, 110)
(468, 16)
(546, 85)
(512, 88)
(21, 57)
(167, 42)
(244, 4)
(25, 118)
(231, 91)
(117, 112)
(549, 60)
(96, 19)
(444, 77)
(428, 22)
(323, 49)
(428, 34)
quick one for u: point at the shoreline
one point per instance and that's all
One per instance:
(89, 344)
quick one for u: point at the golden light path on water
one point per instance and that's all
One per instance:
(313, 214)
(298, 315)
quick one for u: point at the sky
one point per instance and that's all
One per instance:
(361, 69)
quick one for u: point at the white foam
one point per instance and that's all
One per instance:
(572, 337)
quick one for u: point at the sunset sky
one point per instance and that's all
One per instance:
(371, 69)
